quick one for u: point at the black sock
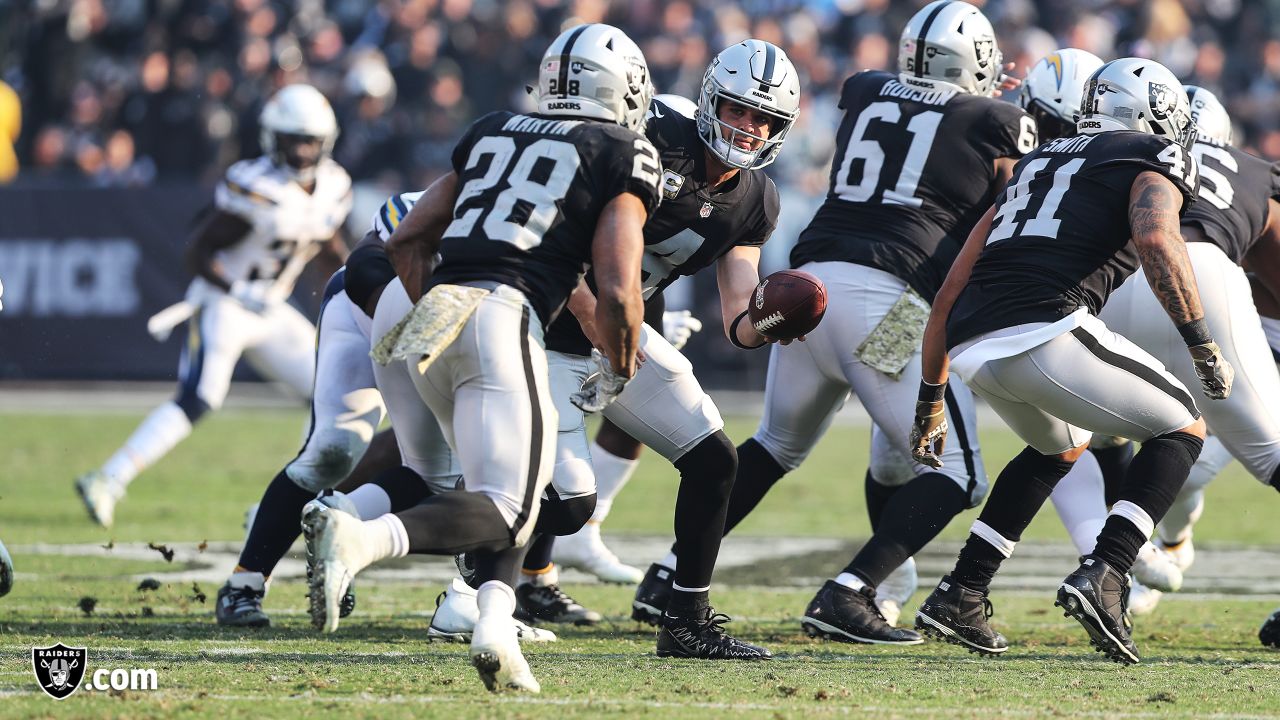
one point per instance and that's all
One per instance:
(688, 604)
(560, 516)
(403, 486)
(1114, 462)
(275, 527)
(503, 565)
(1018, 494)
(877, 497)
(1155, 476)
(757, 472)
(913, 516)
(1275, 479)
(706, 481)
(538, 555)
(454, 523)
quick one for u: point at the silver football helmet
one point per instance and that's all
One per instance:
(595, 71)
(1137, 94)
(951, 42)
(760, 76)
(297, 112)
(1210, 118)
(1052, 91)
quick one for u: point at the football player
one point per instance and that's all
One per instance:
(271, 216)
(918, 155)
(718, 208)
(1236, 219)
(346, 410)
(461, 340)
(1018, 315)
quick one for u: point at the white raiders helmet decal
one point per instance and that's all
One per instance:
(984, 48)
(1162, 99)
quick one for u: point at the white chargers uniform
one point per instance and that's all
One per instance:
(347, 408)
(287, 226)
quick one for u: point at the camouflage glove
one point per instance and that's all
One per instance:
(929, 430)
(1215, 373)
(600, 388)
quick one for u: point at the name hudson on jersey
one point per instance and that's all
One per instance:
(71, 278)
(893, 88)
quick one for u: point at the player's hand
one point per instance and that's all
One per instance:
(929, 430)
(251, 296)
(1215, 373)
(1007, 81)
(600, 388)
(678, 326)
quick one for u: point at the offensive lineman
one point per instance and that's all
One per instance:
(1018, 312)
(471, 350)
(918, 155)
(271, 216)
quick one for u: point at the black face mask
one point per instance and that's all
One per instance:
(1051, 126)
(300, 152)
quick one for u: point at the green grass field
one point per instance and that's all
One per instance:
(1201, 656)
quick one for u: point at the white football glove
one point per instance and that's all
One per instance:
(251, 296)
(678, 326)
(600, 388)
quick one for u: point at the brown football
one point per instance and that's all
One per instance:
(787, 304)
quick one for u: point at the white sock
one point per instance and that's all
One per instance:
(1136, 515)
(1177, 523)
(386, 537)
(1080, 499)
(246, 578)
(164, 428)
(371, 501)
(612, 473)
(668, 560)
(495, 597)
(1001, 543)
(851, 581)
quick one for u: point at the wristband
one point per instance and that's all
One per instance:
(930, 393)
(1195, 333)
(733, 335)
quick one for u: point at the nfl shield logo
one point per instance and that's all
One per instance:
(705, 212)
(59, 669)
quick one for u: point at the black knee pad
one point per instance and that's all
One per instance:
(564, 517)
(715, 459)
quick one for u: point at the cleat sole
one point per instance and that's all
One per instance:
(1070, 600)
(817, 628)
(936, 630)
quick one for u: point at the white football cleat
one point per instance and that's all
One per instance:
(1156, 569)
(457, 612)
(100, 497)
(1183, 553)
(1142, 599)
(495, 649)
(896, 590)
(335, 553)
(6, 571)
(585, 551)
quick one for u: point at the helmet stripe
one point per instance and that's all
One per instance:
(770, 57)
(924, 34)
(564, 60)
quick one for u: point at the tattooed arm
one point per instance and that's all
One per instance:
(1153, 221)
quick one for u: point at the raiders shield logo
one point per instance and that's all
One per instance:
(983, 48)
(59, 669)
(705, 211)
(1162, 100)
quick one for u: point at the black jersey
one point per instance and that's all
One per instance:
(1235, 188)
(531, 190)
(913, 172)
(694, 226)
(1060, 237)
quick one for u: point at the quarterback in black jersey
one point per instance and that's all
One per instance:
(1233, 218)
(1018, 315)
(718, 208)
(530, 202)
(919, 155)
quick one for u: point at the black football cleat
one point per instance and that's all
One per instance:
(1270, 632)
(240, 607)
(1097, 597)
(847, 615)
(958, 615)
(653, 594)
(548, 603)
(703, 638)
